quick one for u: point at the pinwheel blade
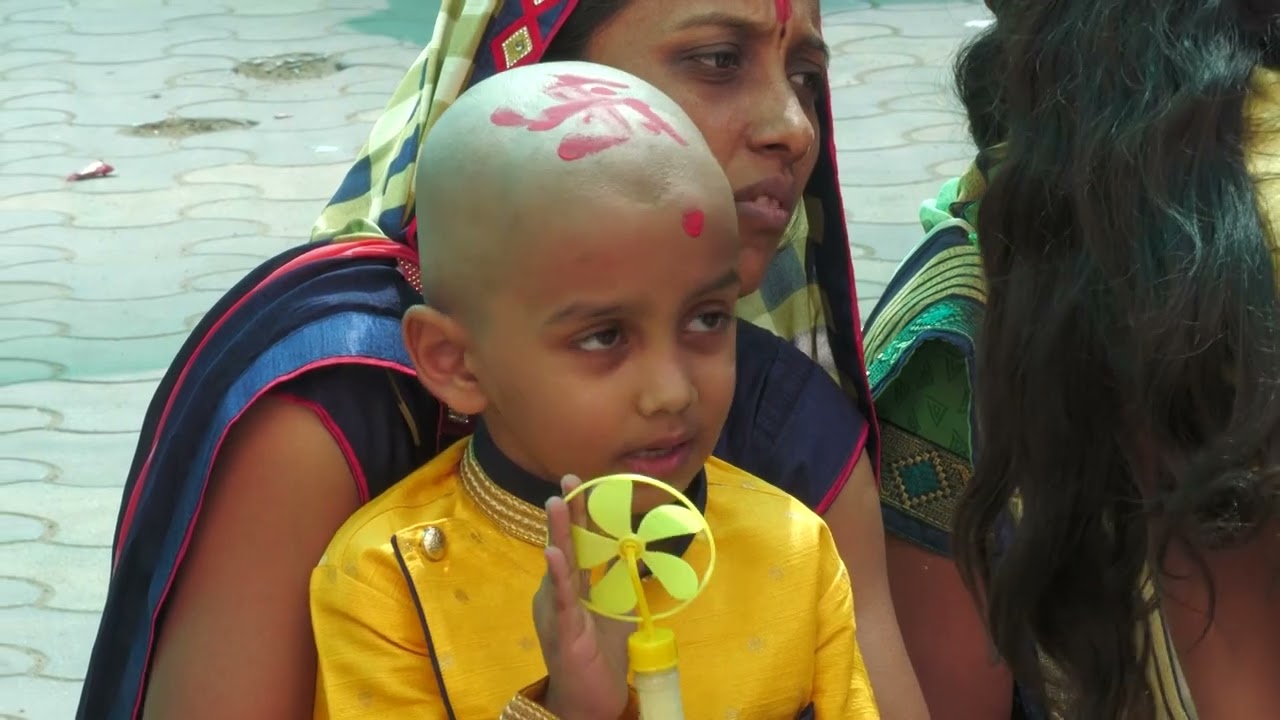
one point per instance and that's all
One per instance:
(614, 593)
(592, 549)
(667, 521)
(676, 576)
(609, 506)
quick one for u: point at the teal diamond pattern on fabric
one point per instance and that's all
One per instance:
(920, 479)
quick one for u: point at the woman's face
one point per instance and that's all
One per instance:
(749, 73)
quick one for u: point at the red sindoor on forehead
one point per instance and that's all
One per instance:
(606, 118)
(783, 8)
(692, 222)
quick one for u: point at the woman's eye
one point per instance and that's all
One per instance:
(812, 82)
(709, 322)
(599, 341)
(720, 60)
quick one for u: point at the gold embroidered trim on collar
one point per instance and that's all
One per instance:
(512, 515)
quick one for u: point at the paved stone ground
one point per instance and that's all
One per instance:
(101, 280)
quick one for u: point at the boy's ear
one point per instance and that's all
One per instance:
(438, 345)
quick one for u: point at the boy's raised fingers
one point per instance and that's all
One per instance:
(577, 506)
(568, 623)
(577, 516)
(559, 532)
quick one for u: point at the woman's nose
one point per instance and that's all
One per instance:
(780, 124)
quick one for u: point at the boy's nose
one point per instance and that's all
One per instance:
(666, 389)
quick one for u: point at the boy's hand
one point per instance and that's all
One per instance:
(585, 654)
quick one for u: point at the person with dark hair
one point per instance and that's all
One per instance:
(1077, 370)
(294, 401)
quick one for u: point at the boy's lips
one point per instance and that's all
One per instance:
(659, 460)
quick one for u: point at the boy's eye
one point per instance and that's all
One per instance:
(602, 340)
(709, 322)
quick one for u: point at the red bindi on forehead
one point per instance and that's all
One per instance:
(596, 115)
(692, 222)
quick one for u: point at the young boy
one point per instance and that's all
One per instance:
(579, 256)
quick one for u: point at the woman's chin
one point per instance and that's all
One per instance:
(753, 263)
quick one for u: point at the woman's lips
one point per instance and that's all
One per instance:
(765, 213)
(766, 204)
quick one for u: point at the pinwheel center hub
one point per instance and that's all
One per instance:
(631, 545)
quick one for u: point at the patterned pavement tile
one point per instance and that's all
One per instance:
(100, 281)
(893, 166)
(302, 115)
(136, 318)
(148, 46)
(13, 185)
(136, 209)
(94, 282)
(20, 328)
(307, 148)
(88, 142)
(277, 183)
(12, 152)
(14, 91)
(21, 292)
(84, 460)
(37, 120)
(60, 515)
(36, 695)
(258, 248)
(11, 31)
(30, 218)
(319, 24)
(35, 626)
(17, 419)
(282, 217)
(238, 49)
(15, 60)
(137, 108)
(19, 592)
(130, 79)
(148, 173)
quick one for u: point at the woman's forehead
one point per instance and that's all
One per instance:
(674, 15)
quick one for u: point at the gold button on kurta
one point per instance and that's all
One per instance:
(433, 543)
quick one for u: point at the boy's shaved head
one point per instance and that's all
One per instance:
(539, 152)
(580, 262)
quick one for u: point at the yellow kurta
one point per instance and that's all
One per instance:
(422, 606)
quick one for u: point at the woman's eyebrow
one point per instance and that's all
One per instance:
(747, 26)
(816, 44)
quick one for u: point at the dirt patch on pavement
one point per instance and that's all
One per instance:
(180, 127)
(290, 66)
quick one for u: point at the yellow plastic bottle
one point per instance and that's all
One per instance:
(652, 652)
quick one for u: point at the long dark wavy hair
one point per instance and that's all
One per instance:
(979, 79)
(1128, 379)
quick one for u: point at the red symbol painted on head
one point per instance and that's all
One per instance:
(591, 100)
(692, 222)
(783, 8)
